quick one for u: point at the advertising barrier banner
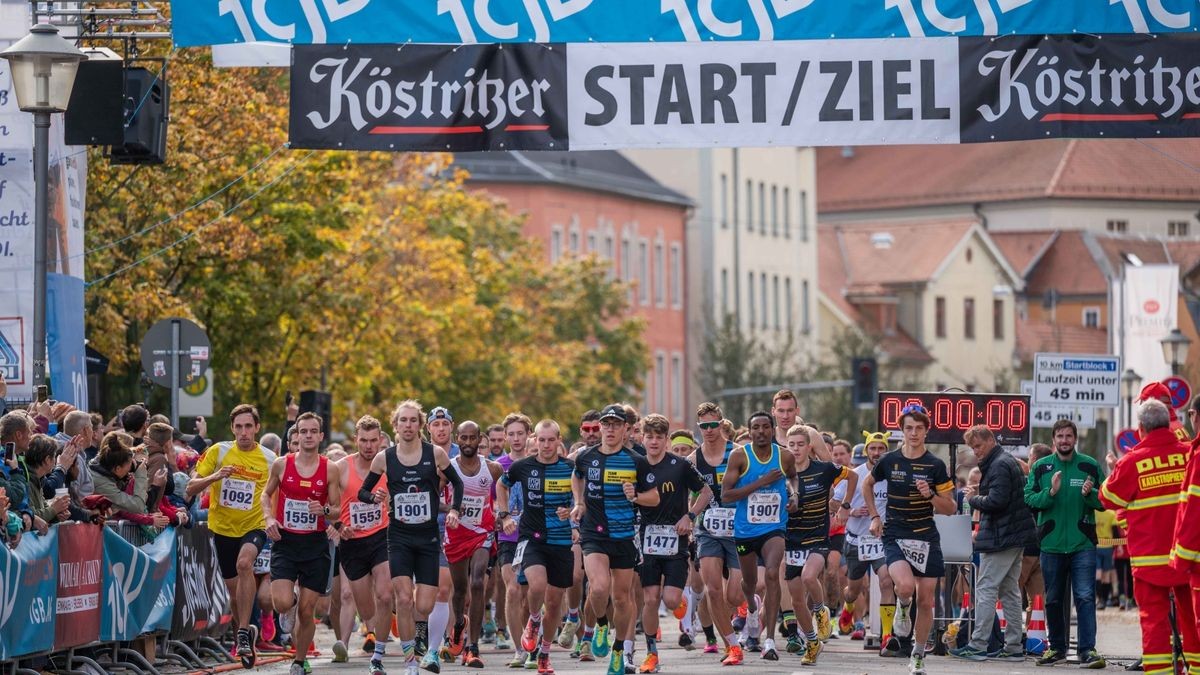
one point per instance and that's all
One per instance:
(80, 565)
(201, 600)
(133, 581)
(799, 93)
(28, 585)
(508, 21)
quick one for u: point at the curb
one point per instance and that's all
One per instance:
(231, 667)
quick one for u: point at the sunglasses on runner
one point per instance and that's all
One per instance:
(710, 425)
(589, 428)
(914, 408)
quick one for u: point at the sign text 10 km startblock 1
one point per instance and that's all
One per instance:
(1077, 380)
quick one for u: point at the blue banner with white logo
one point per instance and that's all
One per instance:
(207, 22)
(65, 339)
(133, 583)
(28, 586)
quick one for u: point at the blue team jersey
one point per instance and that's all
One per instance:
(546, 488)
(764, 511)
(609, 514)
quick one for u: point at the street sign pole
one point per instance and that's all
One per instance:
(175, 373)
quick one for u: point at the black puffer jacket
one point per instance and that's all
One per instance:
(1004, 519)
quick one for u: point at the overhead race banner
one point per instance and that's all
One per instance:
(799, 93)
(208, 22)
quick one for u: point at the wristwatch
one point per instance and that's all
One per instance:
(691, 516)
(326, 510)
(846, 505)
(503, 514)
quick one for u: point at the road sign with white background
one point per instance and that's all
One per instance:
(1077, 380)
(1044, 416)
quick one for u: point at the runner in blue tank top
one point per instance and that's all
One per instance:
(760, 481)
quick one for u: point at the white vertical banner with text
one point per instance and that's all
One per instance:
(1151, 296)
(16, 217)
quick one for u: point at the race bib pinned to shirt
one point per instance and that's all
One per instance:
(797, 558)
(411, 508)
(763, 508)
(870, 548)
(365, 515)
(296, 516)
(660, 540)
(718, 521)
(471, 513)
(262, 562)
(237, 494)
(519, 554)
(916, 552)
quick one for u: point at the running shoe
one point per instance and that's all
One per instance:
(585, 652)
(376, 668)
(710, 647)
(1092, 660)
(503, 644)
(902, 622)
(287, 620)
(270, 647)
(686, 642)
(845, 621)
(531, 660)
(860, 631)
(529, 638)
(471, 658)
(650, 665)
(410, 667)
(518, 661)
(630, 667)
(753, 624)
(752, 645)
(1051, 657)
(916, 664)
(431, 662)
(769, 653)
(489, 631)
(543, 665)
(794, 644)
(245, 647)
(735, 656)
(296, 669)
(268, 626)
(566, 636)
(824, 624)
(969, 653)
(340, 653)
(616, 663)
(681, 610)
(811, 651)
(307, 667)
(600, 646)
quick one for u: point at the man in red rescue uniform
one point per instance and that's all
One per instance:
(1185, 558)
(1146, 484)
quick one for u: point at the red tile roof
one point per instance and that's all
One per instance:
(1023, 249)
(1043, 336)
(877, 177)
(1068, 267)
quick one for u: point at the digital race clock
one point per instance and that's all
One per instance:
(951, 414)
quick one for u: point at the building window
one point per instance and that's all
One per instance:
(660, 382)
(998, 319)
(610, 254)
(787, 297)
(724, 201)
(1177, 228)
(750, 205)
(787, 213)
(660, 275)
(1091, 317)
(591, 242)
(724, 293)
(573, 239)
(762, 208)
(676, 276)
(762, 290)
(555, 244)
(750, 298)
(939, 321)
(775, 210)
(643, 272)
(969, 318)
(805, 315)
(775, 300)
(676, 386)
(803, 215)
(1118, 226)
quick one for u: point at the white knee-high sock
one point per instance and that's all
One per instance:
(438, 619)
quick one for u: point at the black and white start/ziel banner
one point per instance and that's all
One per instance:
(800, 93)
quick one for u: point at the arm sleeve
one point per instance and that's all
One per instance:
(456, 485)
(368, 487)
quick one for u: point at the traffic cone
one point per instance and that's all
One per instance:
(1000, 616)
(1036, 639)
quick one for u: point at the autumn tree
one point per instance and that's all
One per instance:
(379, 270)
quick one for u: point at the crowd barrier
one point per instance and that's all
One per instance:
(82, 594)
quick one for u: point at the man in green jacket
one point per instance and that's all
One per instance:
(1062, 491)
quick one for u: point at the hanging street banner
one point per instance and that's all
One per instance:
(209, 22)
(800, 93)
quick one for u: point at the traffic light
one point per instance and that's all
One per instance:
(865, 378)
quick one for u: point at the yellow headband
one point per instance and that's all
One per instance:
(876, 437)
(683, 440)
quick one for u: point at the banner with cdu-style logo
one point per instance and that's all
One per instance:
(133, 581)
(207, 22)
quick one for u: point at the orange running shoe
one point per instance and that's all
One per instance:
(735, 657)
(455, 647)
(681, 610)
(650, 665)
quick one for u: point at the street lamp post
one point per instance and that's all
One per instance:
(43, 67)
(1133, 383)
(1175, 349)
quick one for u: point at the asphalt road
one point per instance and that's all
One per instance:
(1119, 639)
